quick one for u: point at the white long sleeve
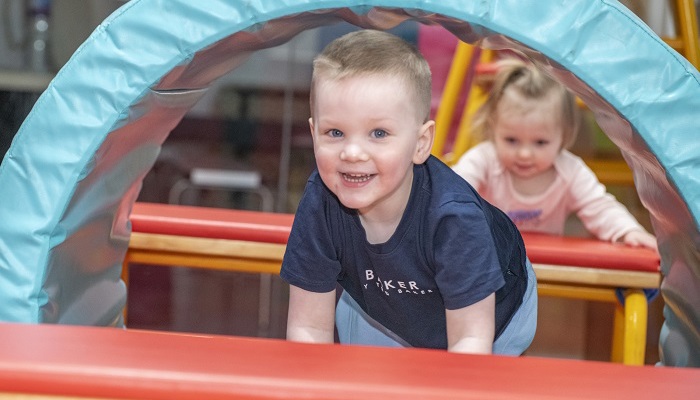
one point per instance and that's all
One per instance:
(576, 189)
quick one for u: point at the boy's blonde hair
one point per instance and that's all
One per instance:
(367, 52)
(529, 82)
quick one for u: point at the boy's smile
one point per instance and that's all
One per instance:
(357, 179)
(367, 136)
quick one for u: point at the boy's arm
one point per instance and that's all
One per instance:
(311, 316)
(472, 329)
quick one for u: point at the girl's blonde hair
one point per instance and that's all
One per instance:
(529, 82)
(375, 52)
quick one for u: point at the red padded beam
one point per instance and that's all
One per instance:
(215, 223)
(560, 250)
(132, 364)
(275, 227)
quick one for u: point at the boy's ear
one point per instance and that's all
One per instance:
(425, 142)
(311, 126)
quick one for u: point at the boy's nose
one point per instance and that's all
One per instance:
(353, 152)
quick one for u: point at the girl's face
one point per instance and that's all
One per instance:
(527, 134)
(367, 136)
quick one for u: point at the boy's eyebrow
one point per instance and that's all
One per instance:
(374, 119)
(324, 121)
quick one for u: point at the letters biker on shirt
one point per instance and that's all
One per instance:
(389, 286)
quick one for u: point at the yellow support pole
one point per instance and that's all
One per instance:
(636, 310)
(450, 96)
(687, 28)
(477, 96)
(618, 336)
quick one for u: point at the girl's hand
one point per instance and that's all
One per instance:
(639, 238)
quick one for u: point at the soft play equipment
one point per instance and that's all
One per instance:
(83, 362)
(75, 167)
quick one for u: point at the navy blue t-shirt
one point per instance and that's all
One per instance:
(450, 250)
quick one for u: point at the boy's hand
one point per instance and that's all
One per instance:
(639, 238)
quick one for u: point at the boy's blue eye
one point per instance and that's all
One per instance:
(335, 133)
(511, 140)
(542, 142)
(379, 133)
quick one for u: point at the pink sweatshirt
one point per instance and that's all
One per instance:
(575, 189)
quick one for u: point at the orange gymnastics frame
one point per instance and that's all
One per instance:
(254, 242)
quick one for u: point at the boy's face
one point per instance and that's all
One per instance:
(367, 136)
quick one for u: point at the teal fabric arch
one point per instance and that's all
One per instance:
(76, 165)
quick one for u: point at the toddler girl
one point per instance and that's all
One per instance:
(524, 168)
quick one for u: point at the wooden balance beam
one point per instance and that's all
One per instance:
(254, 242)
(60, 361)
